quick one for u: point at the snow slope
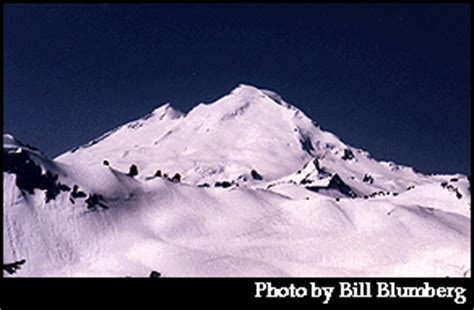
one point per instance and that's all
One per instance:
(312, 206)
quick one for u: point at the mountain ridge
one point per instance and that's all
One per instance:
(243, 186)
(260, 125)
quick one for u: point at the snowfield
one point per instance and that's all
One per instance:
(262, 191)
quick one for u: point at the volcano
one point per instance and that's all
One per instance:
(245, 186)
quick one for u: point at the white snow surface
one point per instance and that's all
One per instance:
(403, 223)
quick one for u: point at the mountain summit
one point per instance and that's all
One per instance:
(247, 185)
(247, 129)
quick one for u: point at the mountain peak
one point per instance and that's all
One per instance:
(245, 89)
(166, 110)
(163, 112)
(250, 92)
(9, 141)
(249, 128)
(247, 97)
(249, 103)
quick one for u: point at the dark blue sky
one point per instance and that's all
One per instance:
(391, 79)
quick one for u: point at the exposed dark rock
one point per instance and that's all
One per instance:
(64, 187)
(451, 188)
(154, 274)
(368, 179)
(335, 183)
(176, 178)
(76, 193)
(133, 171)
(158, 173)
(243, 178)
(13, 267)
(94, 200)
(306, 144)
(348, 155)
(29, 175)
(316, 164)
(329, 146)
(52, 193)
(256, 175)
(223, 184)
(380, 193)
(203, 185)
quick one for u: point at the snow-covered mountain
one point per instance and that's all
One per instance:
(245, 186)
